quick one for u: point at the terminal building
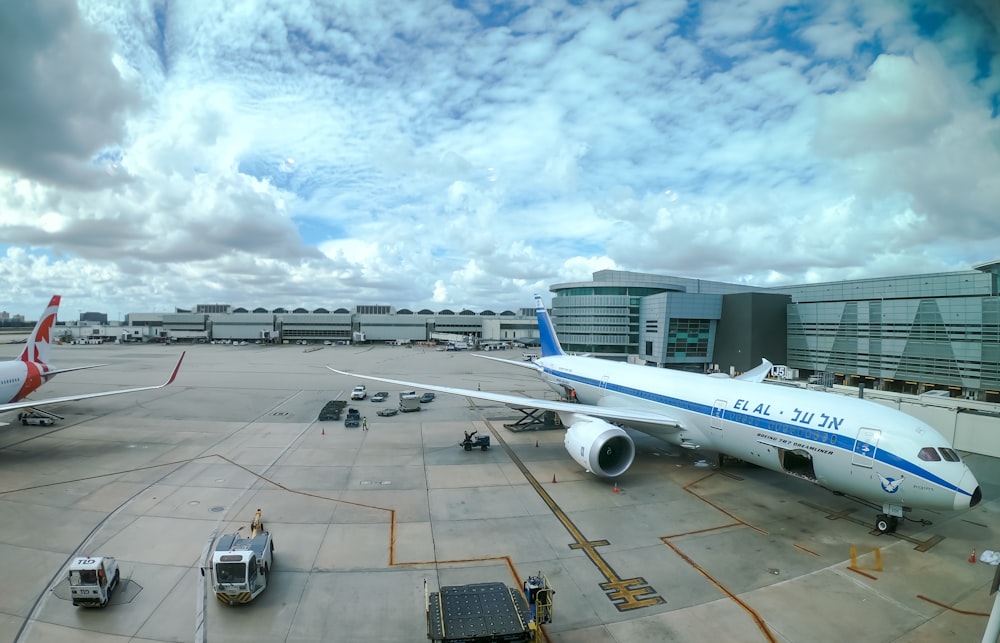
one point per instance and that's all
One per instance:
(911, 334)
(928, 333)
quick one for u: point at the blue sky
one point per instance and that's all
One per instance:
(467, 155)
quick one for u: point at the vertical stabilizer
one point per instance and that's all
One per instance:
(547, 334)
(37, 347)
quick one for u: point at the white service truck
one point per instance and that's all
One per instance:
(409, 401)
(37, 418)
(241, 567)
(92, 579)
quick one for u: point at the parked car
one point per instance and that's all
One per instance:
(381, 396)
(386, 411)
(427, 397)
(359, 392)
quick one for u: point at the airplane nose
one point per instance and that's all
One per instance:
(962, 498)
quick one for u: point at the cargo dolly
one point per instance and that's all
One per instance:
(478, 613)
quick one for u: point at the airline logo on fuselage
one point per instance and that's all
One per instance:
(799, 416)
(889, 485)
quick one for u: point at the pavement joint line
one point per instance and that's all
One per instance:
(761, 624)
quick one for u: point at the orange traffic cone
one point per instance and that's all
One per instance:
(324, 431)
(536, 444)
(553, 478)
(616, 488)
(972, 558)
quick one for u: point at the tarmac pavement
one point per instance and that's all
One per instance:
(678, 551)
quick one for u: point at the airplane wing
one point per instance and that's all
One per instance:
(75, 368)
(511, 362)
(615, 414)
(23, 404)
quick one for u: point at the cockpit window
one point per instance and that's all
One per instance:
(950, 455)
(929, 454)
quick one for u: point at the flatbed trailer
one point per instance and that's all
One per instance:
(478, 613)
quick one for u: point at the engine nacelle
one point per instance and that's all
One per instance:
(601, 448)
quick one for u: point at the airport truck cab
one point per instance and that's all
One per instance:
(241, 566)
(92, 579)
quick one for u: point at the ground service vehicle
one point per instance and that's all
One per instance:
(409, 402)
(92, 579)
(359, 393)
(353, 418)
(427, 397)
(381, 396)
(479, 613)
(36, 418)
(332, 410)
(387, 411)
(473, 441)
(241, 566)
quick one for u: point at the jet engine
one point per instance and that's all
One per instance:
(601, 448)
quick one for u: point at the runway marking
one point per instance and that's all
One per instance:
(950, 608)
(761, 625)
(845, 514)
(625, 594)
(858, 571)
(689, 488)
(757, 618)
(808, 551)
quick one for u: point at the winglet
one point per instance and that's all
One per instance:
(546, 332)
(758, 373)
(177, 369)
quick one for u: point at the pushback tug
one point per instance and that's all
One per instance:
(242, 566)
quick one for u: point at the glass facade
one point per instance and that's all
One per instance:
(662, 319)
(909, 334)
(688, 338)
(905, 345)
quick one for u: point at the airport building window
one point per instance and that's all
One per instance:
(688, 337)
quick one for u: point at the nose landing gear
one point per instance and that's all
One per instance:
(886, 524)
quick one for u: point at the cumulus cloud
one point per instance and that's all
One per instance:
(426, 155)
(63, 100)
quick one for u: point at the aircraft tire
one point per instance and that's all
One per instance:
(882, 523)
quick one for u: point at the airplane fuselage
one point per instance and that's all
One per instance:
(19, 378)
(850, 445)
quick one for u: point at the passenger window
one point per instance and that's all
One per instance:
(950, 455)
(929, 454)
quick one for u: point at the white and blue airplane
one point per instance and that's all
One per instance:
(848, 445)
(22, 376)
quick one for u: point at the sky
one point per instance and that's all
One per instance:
(465, 155)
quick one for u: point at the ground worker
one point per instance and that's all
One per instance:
(364, 423)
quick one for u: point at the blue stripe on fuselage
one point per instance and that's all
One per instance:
(807, 434)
